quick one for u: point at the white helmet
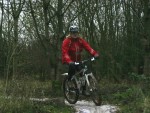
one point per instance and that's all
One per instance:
(73, 29)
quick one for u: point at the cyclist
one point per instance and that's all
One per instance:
(72, 47)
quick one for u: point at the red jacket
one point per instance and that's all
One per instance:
(72, 48)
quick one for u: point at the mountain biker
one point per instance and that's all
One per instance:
(72, 47)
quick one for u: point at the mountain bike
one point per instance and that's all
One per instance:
(74, 87)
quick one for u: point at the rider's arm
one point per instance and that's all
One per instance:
(65, 48)
(87, 47)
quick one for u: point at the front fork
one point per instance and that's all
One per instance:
(87, 80)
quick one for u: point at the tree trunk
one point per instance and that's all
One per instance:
(16, 8)
(15, 43)
(59, 35)
(147, 37)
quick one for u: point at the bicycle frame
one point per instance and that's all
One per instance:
(84, 77)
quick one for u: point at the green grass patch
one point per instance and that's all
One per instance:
(15, 105)
(129, 97)
(15, 97)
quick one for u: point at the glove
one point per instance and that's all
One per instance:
(96, 55)
(71, 63)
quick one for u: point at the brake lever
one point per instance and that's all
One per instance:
(92, 59)
(76, 63)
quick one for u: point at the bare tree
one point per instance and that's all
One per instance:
(1, 39)
(16, 7)
(147, 37)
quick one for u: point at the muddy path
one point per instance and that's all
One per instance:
(89, 107)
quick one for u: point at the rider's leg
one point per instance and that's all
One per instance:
(71, 71)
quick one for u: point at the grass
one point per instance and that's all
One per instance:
(130, 96)
(25, 106)
(15, 97)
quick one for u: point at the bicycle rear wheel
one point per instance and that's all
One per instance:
(70, 89)
(95, 93)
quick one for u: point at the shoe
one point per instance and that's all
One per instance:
(85, 93)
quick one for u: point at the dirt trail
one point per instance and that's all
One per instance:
(81, 106)
(89, 107)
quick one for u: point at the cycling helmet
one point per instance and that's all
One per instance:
(73, 29)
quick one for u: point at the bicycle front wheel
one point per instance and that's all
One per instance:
(70, 89)
(95, 93)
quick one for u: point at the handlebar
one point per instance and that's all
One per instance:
(84, 61)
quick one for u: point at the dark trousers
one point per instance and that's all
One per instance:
(72, 70)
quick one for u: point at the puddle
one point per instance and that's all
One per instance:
(89, 107)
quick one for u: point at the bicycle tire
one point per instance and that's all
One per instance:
(71, 93)
(95, 93)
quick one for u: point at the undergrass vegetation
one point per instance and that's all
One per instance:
(31, 96)
(21, 95)
(131, 96)
(14, 105)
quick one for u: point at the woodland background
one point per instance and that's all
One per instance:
(32, 31)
